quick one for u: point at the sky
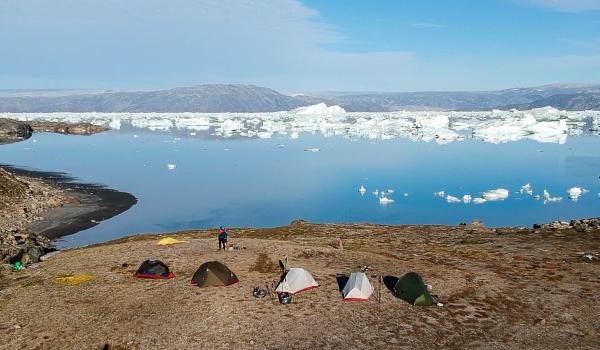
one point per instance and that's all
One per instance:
(298, 45)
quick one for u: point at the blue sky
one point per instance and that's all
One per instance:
(295, 46)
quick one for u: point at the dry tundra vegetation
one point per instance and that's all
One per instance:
(501, 289)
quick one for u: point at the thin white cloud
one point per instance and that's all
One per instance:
(565, 5)
(138, 43)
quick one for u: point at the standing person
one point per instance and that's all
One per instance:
(222, 238)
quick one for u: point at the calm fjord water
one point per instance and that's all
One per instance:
(270, 182)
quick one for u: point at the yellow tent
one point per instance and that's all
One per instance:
(169, 241)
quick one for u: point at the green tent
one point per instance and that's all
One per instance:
(214, 274)
(411, 289)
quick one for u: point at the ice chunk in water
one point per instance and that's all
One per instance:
(467, 198)
(171, 166)
(526, 189)
(312, 150)
(385, 200)
(548, 198)
(362, 190)
(575, 192)
(479, 200)
(440, 194)
(452, 199)
(498, 194)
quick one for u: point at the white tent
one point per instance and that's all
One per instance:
(358, 287)
(296, 280)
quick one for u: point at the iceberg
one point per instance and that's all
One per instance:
(479, 200)
(171, 166)
(440, 194)
(385, 200)
(362, 190)
(312, 150)
(575, 192)
(498, 194)
(467, 198)
(526, 189)
(548, 198)
(452, 199)
(319, 109)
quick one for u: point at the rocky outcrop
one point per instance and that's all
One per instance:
(25, 247)
(13, 131)
(23, 201)
(66, 128)
(580, 225)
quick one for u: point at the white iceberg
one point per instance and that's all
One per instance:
(526, 189)
(440, 194)
(362, 190)
(467, 198)
(452, 199)
(498, 194)
(385, 200)
(319, 109)
(548, 198)
(575, 192)
(171, 166)
(376, 193)
(479, 200)
(312, 150)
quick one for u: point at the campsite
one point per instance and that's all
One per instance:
(500, 288)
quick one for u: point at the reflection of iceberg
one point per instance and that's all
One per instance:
(319, 109)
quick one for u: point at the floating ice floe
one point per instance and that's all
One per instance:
(479, 200)
(548, 198)
(312, 150)
(171, 166)
(405, 194)
(385, 200)
(575, 192)
(498, 194)
(440, 194)
(467, 198)
(452, 199)
(376, 193)
(541, 124)
(526, 189)
(362, 190)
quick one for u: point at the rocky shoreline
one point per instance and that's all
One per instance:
(37, 206)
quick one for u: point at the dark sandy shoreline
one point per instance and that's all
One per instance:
(92, 203)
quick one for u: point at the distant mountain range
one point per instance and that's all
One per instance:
(250, 98)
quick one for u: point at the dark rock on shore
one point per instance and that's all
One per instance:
(66, 128)
(580, 225)
(25, 247)
(13, 131)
